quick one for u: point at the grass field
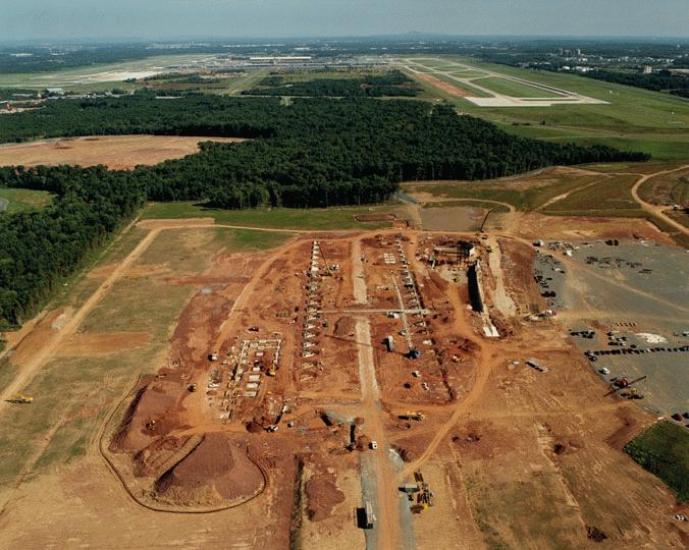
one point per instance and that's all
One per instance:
(74, 393)
(609, 196)
(282, 218)
(512, 88)
(668, 189)
(663, 450)
(20, 200)
(527, 193)
(634, 119)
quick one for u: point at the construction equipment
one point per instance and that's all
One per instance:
(412, 415)
(424, 496)
(623, 383)
(20, 398)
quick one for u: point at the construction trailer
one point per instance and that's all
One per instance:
(369, 516)
(389, 343)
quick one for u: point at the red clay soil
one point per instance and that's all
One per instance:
(153, 412)
(518, 260)
(322, 496)
(217, 471)
(344, 327)
(444, 86)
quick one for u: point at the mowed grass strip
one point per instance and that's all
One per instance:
(511, 88)
(663, 450)
(277, 218)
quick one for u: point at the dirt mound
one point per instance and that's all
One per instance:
(322, 495)
(150, 460)
(406, 454)
(153, 412)
(216, 472)
(344, 327)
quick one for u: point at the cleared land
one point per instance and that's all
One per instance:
(258, 365)
(20, 200)
(586, 192)
(282, 218)
(117, 387)
(116, 152)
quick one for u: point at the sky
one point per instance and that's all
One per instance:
(170, 19)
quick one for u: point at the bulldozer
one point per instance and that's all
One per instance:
(20, 398)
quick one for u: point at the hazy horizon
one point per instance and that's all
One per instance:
(36, 20)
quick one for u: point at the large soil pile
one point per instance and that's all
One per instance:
(323, 495)
(344, 327)
(215, 473)
(153, 412)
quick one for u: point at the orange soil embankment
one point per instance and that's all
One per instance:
(444, 86)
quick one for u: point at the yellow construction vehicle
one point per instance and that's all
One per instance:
(20, 398)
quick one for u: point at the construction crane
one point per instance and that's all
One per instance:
(623, 383)
(20, 398)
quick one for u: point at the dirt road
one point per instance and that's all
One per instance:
(654, 209)
(385, 502)
(358, 277)
(29, 369)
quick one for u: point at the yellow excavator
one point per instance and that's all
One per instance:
(20, 398)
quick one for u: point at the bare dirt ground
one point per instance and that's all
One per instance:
(254, 418)
(116, 152)
(443, 86)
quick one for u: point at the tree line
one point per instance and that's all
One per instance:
(662, 81)
(39, 248)
(311, 153)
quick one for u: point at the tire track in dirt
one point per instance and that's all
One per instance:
(30, 368)
(655, 209)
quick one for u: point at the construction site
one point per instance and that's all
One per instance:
(381, 388)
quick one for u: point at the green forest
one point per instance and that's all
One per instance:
(312, 153)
